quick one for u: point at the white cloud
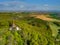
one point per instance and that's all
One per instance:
(6, 4)
(16, 5)
(19, 5)
(46, 5)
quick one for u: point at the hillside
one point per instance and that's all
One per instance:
(35, 29)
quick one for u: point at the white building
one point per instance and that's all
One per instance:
(14, 27)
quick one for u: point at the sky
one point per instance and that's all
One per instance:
(29, 5)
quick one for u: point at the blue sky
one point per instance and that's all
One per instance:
(29, 5)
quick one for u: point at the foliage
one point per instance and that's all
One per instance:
(34, 31)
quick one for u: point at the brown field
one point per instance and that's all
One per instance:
(44, 17)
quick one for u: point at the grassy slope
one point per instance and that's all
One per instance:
(54, 29)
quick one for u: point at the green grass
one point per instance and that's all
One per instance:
(54, 28)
